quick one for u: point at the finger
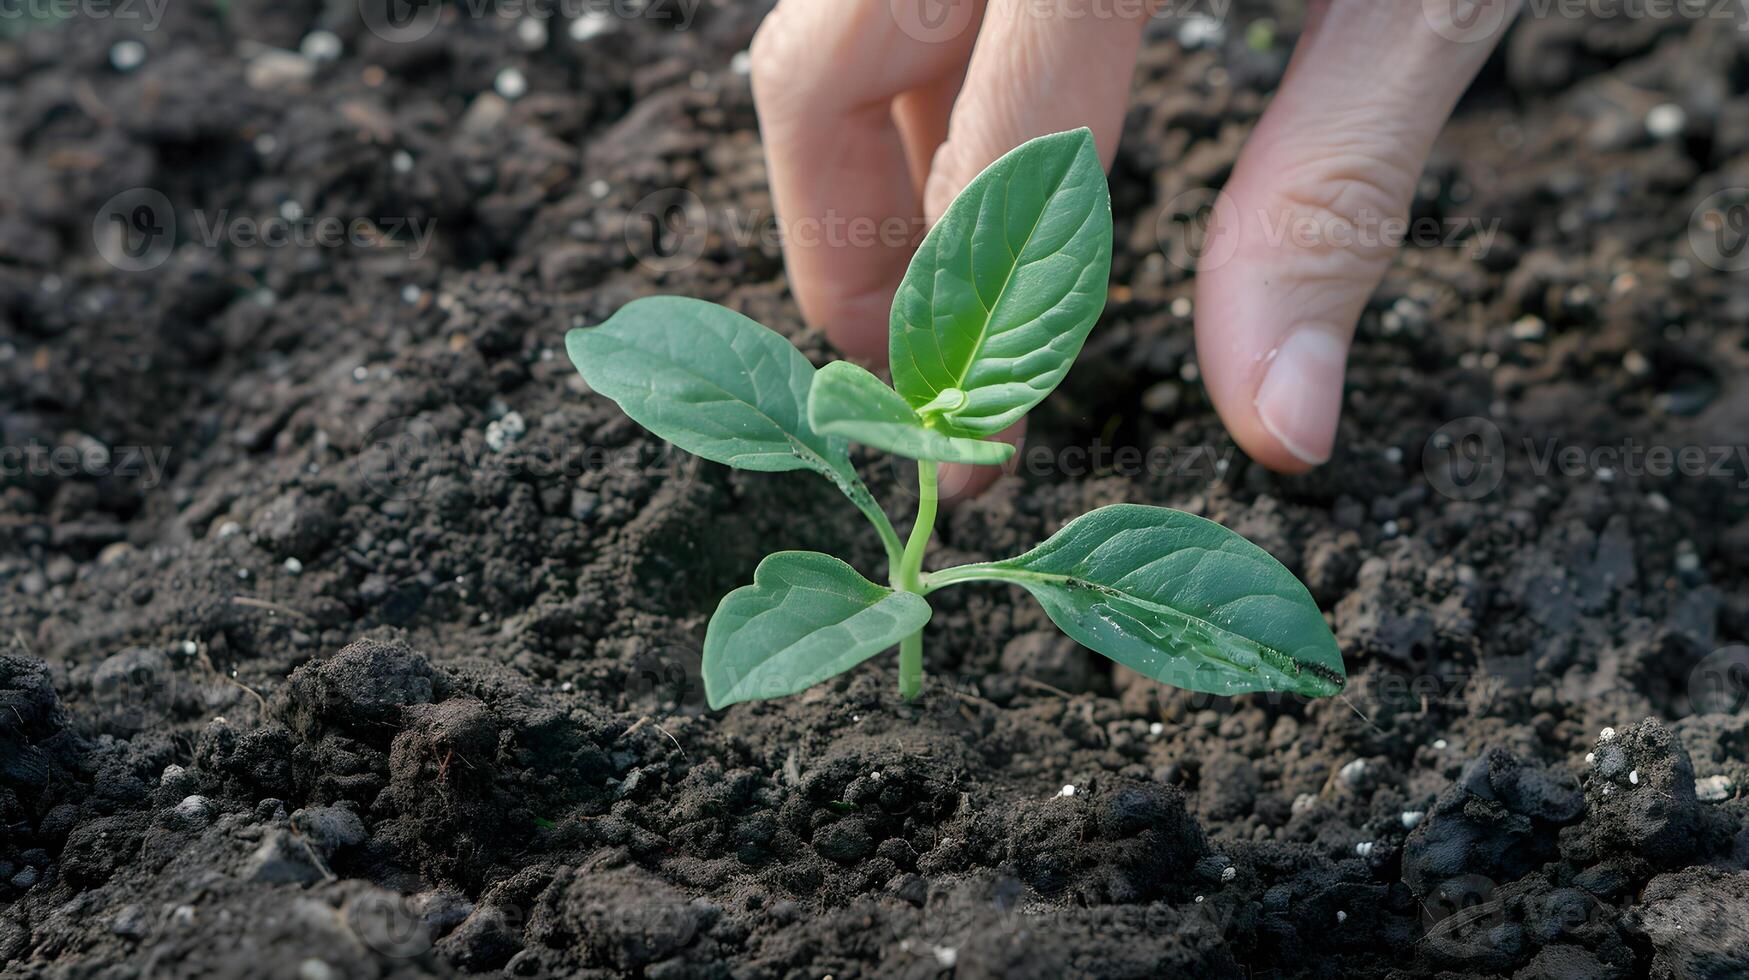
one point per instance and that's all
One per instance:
(1037, 68)
(1301, 236)
(825, 74)
(958, 482)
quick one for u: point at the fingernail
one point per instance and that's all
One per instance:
(1301, 394)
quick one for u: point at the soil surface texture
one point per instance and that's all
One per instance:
(343, 634)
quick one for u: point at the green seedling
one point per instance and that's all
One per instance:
(990, 315)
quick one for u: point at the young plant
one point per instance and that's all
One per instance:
(990, 315)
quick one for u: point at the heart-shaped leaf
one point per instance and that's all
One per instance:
(710, 381)
(805, 618)
(1180, 599)
(848, 401)
(1002, 292)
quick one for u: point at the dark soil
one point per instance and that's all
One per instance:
(392, 670)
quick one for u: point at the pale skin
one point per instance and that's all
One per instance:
(884, 109)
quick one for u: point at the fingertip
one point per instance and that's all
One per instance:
(958, 482)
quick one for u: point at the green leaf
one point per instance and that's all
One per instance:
(710, 381)
(805, 618)
(1002, 292)
(848, 401)
(1180, 599)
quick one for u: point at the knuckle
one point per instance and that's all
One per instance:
(771, 55)
(1348, 201)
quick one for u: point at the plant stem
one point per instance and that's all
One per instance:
(909, 578)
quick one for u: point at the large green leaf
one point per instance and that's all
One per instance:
(1180, 599)
(848, 401)
(710, 381)
(805, 618)
(1002, 292)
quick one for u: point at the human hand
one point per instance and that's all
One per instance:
(871, 111)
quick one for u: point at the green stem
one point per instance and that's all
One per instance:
(909, 577)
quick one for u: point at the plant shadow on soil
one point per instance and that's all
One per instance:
(392, 671)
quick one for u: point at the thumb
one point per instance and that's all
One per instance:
(1308, 222)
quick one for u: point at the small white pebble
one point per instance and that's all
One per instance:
(599, 188)
(1304, 802)
(946, 955)
(291, 210)
(266, 143)
(1665, 120)
(1199, 899)
(1591, 758)
(1393, 454)
(127, 55)
(1606, 474)
(1352, 773)
(531, 32)
(320, 46)
(1440, 744)
(1712, 789)
(1390, 529)
(593, 23)
(1067, 790)
(293, 566)
(876, 775)
(229, 529)
(1634, 777)
(1658, 502)
(511, 83)
(402, 162)
(190, 648)
(411, 293)
(242, 573)
(1364, 848)
(1606, 735)
(1606, 790)
(1528, 328)
(1635, 363)
(1182, 307)
(1229, 873)
(1155, 728)
(1688, 562)
(1341, 916)
(741, 63)
(172, 771)
(566, 687)
(1412, 818)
